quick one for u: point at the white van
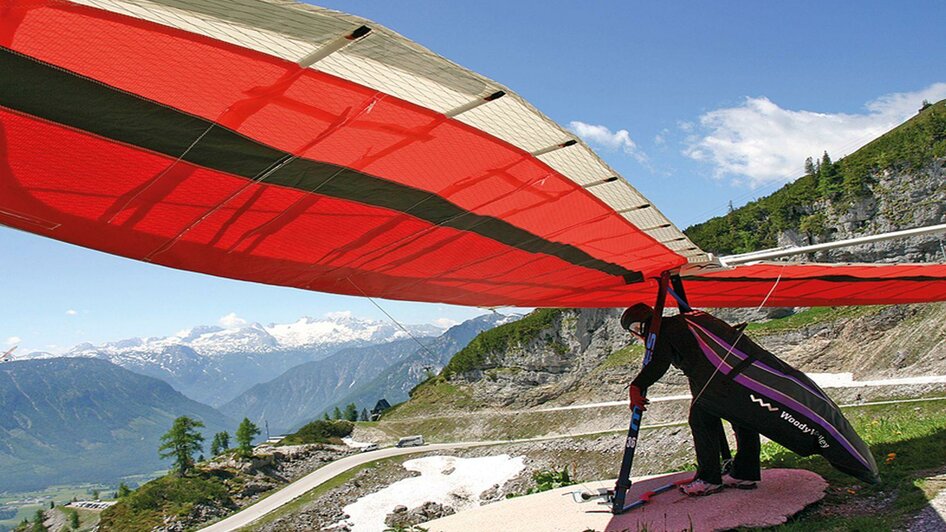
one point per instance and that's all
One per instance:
(411, 441)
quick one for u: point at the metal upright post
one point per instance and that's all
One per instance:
(630, 445)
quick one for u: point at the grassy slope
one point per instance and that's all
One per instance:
(808, 317)
(757, 224)
(147, 506)
(908, 442)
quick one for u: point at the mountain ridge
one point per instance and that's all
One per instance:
(70, 420)
(305, 391)
(214, 364)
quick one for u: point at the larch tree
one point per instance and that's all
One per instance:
(181, 443)
(244, 436)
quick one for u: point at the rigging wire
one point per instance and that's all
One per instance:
(390, 317)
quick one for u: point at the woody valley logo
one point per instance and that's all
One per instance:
(763, 404)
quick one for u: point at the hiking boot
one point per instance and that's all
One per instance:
(700, 487)
(733, 482)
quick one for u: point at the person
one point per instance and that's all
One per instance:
(676, 346)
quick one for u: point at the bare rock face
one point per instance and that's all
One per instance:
(545, 366)
(901, 200)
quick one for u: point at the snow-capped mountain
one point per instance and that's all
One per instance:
(337, 329)
(214, 364)
(342, 327)
(359, 375)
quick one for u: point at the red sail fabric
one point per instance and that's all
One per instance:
(782, 284)
(168, 146)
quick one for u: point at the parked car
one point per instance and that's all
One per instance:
(411, 441)
(370, 447)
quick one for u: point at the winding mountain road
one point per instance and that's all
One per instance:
(317, 477)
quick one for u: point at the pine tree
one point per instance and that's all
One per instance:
(829, 178)
(337, 414)
(74, 519)
(326, 416)
(123, 491)
(244, 436)
(181, 443)
(220, 443)
(38, 525)
(364, 415)
(810, 167)
(351, 412)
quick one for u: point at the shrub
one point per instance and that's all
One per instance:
(320, 431)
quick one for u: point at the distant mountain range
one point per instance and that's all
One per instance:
(85, 418)
(214, 364)
(71, 420)
(359, 375)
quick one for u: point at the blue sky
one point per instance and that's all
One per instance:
(696, 103)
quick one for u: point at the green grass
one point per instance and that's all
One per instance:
(628, 357)
(320, 431)
(908, 442)
(148, 505)
(433, 396)
(809, 317)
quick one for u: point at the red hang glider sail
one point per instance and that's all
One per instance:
(297, 146)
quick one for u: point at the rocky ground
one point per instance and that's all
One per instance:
(326, 509)
(588, 458)
(272, 467)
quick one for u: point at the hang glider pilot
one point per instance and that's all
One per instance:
(675, 345)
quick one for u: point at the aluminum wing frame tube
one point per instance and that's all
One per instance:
(630, 445)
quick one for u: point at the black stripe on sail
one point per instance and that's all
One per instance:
(826, 278)
(64, 97)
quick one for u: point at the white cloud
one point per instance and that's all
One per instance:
(760, 143)
(446, 323)
(661, 138)
(232, 321)
(13, 340)
(339, 315)
(71, 312)
(604, 137)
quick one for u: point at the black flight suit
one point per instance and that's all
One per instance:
(677, 346)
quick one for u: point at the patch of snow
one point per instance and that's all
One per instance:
(846, 380)
(460, 489)
(349, 441)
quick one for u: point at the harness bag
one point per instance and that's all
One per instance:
(755, 389)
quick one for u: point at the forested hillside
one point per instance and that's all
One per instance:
(835, 193)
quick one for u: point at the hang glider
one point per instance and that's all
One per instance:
(297, 146)
(8, 356)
